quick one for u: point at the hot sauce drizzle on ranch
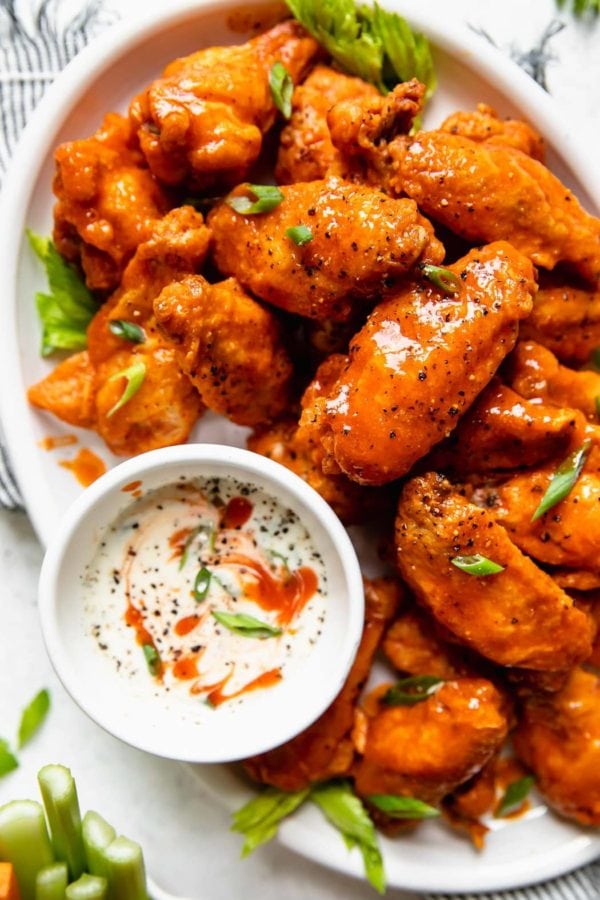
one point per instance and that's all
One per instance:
(179, 553)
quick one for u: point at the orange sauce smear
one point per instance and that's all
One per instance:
(287, 595)
(51, 442)
(268, 679)
(132, 487)
(187, 624)
(236, 513)
(86, 466)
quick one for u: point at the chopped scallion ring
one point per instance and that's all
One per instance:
(514, 796)
(444, 279)
(202, 584)
(134, 376)
(268, 197)
(409, 691)
(300, 235)
(247, 626)
(477, 565)
(129, 331)
(563, 479)
(282, 88)
(152, 659)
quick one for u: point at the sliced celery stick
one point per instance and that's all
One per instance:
(88, 887)
(62, 808)
(24, 842)
(51, 882)
(126, 873)
(97, 835)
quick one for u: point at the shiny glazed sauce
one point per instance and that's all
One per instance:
(178, 555)
(86, 466)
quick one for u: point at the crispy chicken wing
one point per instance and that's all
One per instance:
(68, 391)
(419, 362)
(108, 202)
(558, 737)
(324, 750)
(362, 242)
(306, 152)
(565, 319)
(485, 125)
(201, 123)
(413, 646)
(517, 617)
(428, 749)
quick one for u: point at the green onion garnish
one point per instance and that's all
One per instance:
(409, 691)
(129, 331)
(268, 197)
(134, 375)
(597, 401)
(259, 819)
(210, 532)
(282, 88)
(247, 626)
(403, 807)
(514, 796)
(563, 480)
(444, 279)
(8, 761)
(202, 584)
(33, 717)
(152, 658)
(300, 235)
(477, 565)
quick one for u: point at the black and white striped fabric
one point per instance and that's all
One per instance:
(36, 42)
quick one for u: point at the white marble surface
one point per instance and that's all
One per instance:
(185, 835)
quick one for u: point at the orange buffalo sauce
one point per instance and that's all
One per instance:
(86, 466)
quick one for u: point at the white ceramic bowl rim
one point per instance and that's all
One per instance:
(243, 465)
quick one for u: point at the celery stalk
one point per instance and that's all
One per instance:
(97, 835)
(126, 873)
(24, 842)
(51, 882)
(62, 808)
(88, 887)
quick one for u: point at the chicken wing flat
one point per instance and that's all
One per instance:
(229, 346)
(108, 202)
(420, 361)
(361, 242)
(486, 192)
(428, 749)
(565, 319)
(306, 152)
(535, 373)
(516, 617)
(324, 750)
(202, 122)
(558, 737)
(484, 125)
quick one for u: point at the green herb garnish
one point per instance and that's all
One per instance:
(202, 584)
(346, 812)
(134, 376)
(282, 88)
(300, 235)
(514, 796)
(245, 625)
(477, 565)
(443, 278)
(67, 310)
(259, 819)
(8, 761)
(152, 658)
(403, 807)
(33, 716)
(268, 197)
(581, 7)
(563, 480)
(275, 554)
(409, 691)
(210, 532)
(129, 331)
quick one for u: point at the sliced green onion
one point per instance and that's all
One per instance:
(33, 716)
(477, 565)
(245, 625)
(403, 807)
(282, 88)
(208, 529)
(300, 235)
(202, 584)
(51, 882)
(88, 887)
(346, 812)
(62, 809)
(129, 331)
(134, 375)
(276, 555)
(24, 842)
(597, 401)
(514, 796)
(409, 691)
(444, 279)
(563, 479)
(97, 835)
(126, 872)
(8, 761)
(259, 819)
(152, 659)
(268, 197)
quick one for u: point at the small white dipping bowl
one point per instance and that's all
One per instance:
(274, 715)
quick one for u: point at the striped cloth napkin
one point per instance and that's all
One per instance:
(35, 44)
